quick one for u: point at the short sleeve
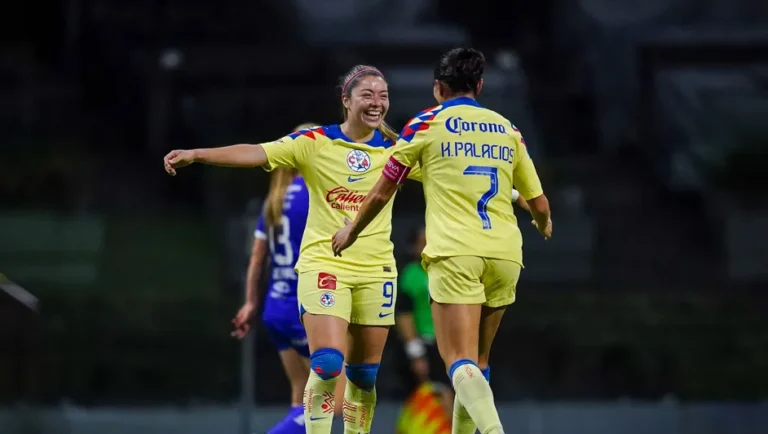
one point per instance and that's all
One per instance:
(407, 152)
(260, 233)
(526, 179)
(415, 173)
(293, 150)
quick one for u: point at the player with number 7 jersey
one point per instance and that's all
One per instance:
(470, 158)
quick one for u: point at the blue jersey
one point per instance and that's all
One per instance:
(284, 245)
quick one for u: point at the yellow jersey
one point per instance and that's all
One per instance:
(470, 158)
(339, 173)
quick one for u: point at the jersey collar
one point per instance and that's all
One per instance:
(462, 100)
(334, 132)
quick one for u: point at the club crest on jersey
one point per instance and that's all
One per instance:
(358, 161)
(327, 299)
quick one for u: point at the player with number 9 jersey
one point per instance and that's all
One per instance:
(339, 297)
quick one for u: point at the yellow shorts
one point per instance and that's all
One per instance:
(357, 300)
(472, 280)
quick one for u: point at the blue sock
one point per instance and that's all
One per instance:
(487, 373)
(457, 364)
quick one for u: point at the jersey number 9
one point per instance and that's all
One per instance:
(482, 203)
(388, 292)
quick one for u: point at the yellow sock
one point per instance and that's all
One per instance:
(474, 392)
(358, 409)
(319, 403)
(462, 422)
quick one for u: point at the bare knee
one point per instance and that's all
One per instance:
(325, 331)
(366, 344)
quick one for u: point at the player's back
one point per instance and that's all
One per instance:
(285, 243)
(469, 164)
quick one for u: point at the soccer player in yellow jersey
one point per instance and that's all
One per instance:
(470, 158)
(354, 293)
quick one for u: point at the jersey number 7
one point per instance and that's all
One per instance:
(482, 204)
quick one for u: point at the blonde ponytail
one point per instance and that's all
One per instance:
(278, 184)
(279, 181)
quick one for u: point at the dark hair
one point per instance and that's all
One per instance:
(350, 80)
(460, 69)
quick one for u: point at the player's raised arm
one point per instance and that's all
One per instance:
(228, 156)
(375, 201)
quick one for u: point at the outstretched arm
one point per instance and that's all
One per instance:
(381, 194)
(405, 156)
(232, 156)
(227, 156)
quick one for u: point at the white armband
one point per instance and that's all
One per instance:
(415, 348)
(515, 195)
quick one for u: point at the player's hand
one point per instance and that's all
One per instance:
(545, 232)
(242, 320)
(178, 158)
(420, 368)
(344, 238)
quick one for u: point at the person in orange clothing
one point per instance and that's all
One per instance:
(425, 411)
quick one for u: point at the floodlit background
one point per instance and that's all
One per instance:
(648, 120)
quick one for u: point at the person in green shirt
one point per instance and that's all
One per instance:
(414, 318)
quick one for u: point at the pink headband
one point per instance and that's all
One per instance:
(357, 74)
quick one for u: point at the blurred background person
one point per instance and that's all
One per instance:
(424, 411)
(415, 327)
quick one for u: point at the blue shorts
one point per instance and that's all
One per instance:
(287, 333)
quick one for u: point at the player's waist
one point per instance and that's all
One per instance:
(504, 254)
(373, 267)
(365, 249)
